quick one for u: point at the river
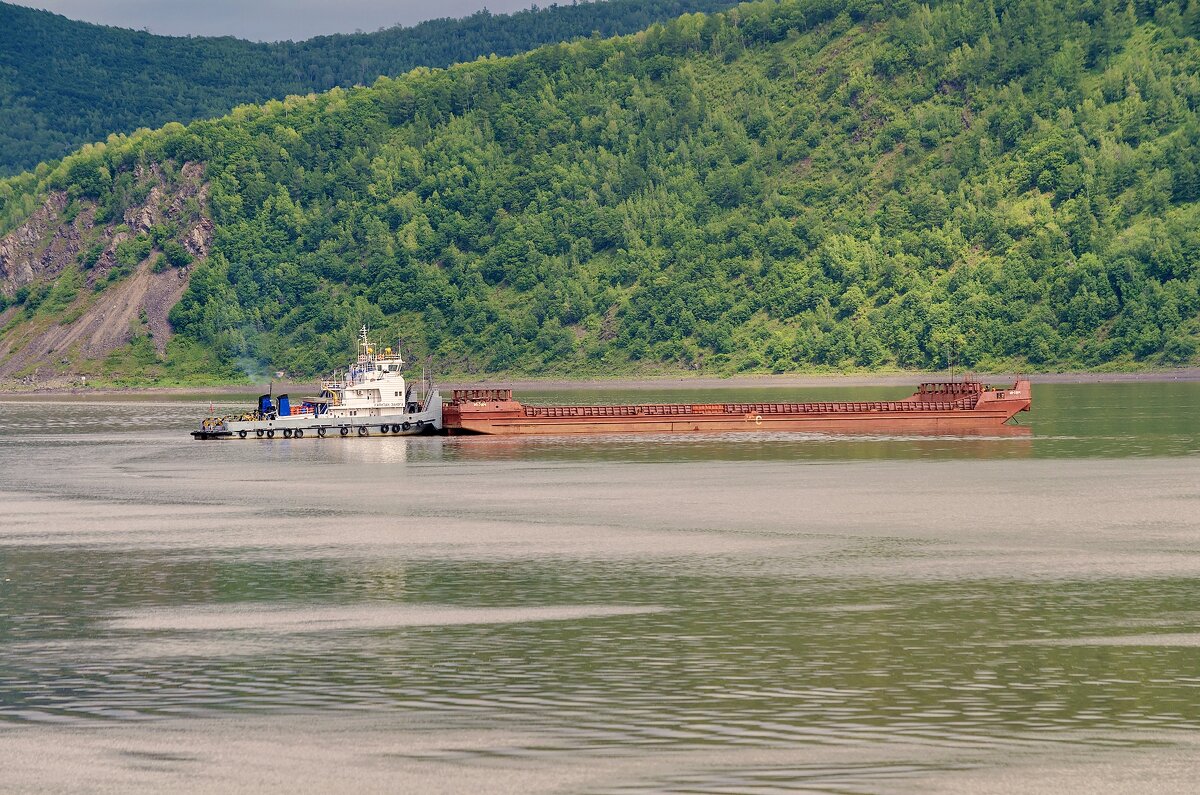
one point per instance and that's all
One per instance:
(626, 614)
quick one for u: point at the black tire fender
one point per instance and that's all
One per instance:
(241, 434)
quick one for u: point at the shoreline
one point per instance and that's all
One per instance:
(646, 383)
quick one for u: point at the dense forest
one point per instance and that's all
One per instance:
(65, 83)
(795, 185)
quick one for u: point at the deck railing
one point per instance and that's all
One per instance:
(676, 410)
(463, 395)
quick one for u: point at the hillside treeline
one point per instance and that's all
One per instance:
(65, 83)
(782, 186)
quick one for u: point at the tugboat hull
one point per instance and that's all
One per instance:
(306, 425)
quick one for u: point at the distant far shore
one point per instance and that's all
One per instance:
(675, 381)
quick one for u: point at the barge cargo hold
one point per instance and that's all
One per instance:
(950, 407)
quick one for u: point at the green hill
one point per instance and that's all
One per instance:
(65, 83)
(784, 186)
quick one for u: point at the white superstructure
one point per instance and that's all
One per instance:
(373, 386)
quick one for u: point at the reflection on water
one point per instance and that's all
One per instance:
(1004, 442)
(789, 612)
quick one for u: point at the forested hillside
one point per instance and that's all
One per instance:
(65, 83)
(783, 186)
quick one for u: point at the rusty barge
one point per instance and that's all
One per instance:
(937, 407)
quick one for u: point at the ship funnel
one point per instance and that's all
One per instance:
(285, 406)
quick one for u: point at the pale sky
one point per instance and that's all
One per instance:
(269, 20)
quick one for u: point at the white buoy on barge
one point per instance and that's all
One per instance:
(372, 396)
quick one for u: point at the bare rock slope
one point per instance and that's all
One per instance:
(87, 288)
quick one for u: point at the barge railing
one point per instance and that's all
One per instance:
(673, 410)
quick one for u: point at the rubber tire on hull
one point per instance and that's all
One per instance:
(259, 433)
(406, 425)
(241, 434)
(345, 431)
(299, 433)
(420, 425)
(383, 429)
(287, 433)
(271, 434)
(362, 430)
(321, 433)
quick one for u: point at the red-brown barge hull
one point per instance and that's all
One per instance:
(957, 407)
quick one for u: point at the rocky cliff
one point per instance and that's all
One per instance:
(86, 280)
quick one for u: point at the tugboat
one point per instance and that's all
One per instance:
(371, 396)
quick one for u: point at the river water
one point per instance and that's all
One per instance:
(741, 613)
